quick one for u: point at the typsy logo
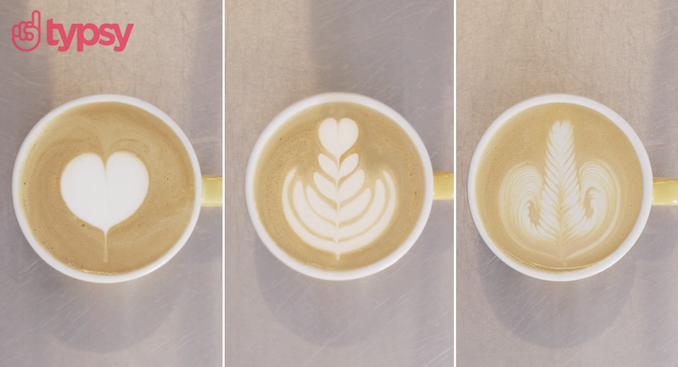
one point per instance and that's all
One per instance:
(26, 35)
(564, 211)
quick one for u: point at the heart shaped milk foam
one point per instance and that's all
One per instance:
(104, 196)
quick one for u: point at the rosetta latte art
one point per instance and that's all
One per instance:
(337, 213)
(557, 210)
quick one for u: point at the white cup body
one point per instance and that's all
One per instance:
(644, 165)
(279, 121)
(44, 254)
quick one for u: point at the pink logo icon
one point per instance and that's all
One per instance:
(27, 32)
(108, 34)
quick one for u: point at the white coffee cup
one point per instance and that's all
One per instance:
(208, 193)
(442, 180)
(647, 180)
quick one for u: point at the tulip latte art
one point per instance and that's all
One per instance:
(340, 186)
(338, 217)
(559, 187)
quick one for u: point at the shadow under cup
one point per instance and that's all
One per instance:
(560, 187)
(132, 159)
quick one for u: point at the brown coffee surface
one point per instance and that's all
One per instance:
(558, 187)
(384, 149)
(104, 128)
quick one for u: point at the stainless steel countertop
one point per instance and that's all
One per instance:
(173, 316)
(278, 52)
(625, 55)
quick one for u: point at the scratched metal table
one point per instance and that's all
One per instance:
(173, 316)
(278, 52)
(625, 55)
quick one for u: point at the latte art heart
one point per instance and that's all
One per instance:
(559, 210)
(338, 213)
(104, 196)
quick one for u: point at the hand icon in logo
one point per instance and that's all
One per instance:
(27, 31)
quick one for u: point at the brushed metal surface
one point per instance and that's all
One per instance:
(173, 316)
(623, 54)
(278, 52)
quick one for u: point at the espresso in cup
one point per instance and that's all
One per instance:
(106, 188)
(339, 186)
(558, 187)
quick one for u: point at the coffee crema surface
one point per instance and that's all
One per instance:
(107, 188)
(558, 187)
(339, 186)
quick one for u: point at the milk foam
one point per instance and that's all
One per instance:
(104, 196)
(555, 209)
(337, 213)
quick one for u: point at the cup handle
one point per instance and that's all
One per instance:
(443, 185)
(665, 191)
(212, 192)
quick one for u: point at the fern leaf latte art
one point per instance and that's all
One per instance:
(559, 187)
(564, 211)
(339, 186)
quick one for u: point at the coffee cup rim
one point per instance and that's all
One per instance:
(48, 257)
(646, 171)
(268, 132)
